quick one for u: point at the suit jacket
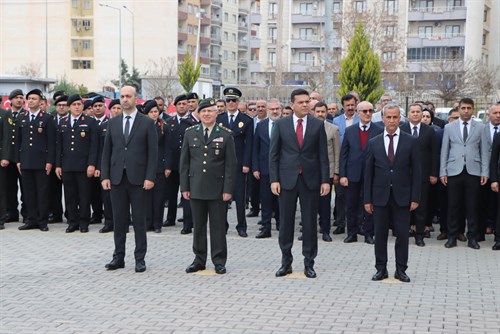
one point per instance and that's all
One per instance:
(455, 154)
(103, 129)
(495, 159)
(15, 118)
(352, 156)
(208, 169)
(340, 122)
(35, 141)
(261, 145)
(5, 135)
(139, 155)
(333, 145)
(174, 135)
(429, 153)
(161, 133)
(487, 136)
(242, 132)
(286, 156)
(77, 146)
(403, 177)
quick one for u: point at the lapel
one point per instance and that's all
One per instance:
(119, 129)
(137, 120)
(214, 134)
(472, 128)
(265, 127)
(456, 128)
(308, 130)
(401, 142)
(291, 128)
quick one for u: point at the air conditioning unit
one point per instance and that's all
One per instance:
(437, 24)
(87, 28)
(78, 29)
(293, 51)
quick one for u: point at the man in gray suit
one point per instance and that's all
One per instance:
(128, 169)
(464, 169)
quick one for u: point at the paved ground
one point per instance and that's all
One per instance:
(56, 283)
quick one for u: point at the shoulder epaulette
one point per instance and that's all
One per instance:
(192, 127)
(224, 128)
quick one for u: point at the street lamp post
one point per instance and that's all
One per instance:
(133, 35)
(199, 17)
(120, 42)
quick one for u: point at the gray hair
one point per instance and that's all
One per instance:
(363, 102)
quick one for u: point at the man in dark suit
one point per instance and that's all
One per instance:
(352, 159)
(260, 167)
(429, 163)
(208, 170)
(128, 168)
(35, 154)
(495, 173)
(241, 126)
(392, 189)
(5, 153)
(298, 168)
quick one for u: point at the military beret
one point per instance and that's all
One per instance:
(205, 103)
(113, 102)
(57, 94)
(61, 98)
(192, 95)
(87, 104)
(179, 98)
(36, 91)
(98, 99)
(148, 105)
(232, 93)
(14, 93)
(73, 98)
(140, 108)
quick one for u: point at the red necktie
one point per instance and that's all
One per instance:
(390, 151)
(300, 138)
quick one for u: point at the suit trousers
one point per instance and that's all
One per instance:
(126, 196)
(309, 200)
(108, 209)
(463, 192)
(55, 194)
(497, 227)
(239, 198)
(77, 192)
(172, 193)
(401, 220)
(156, 203)
(36, 194)
(269, 203)
(325, 211)
(215, 210)
(3, 192)
(96, 199)
(339, 212)
(12, 191)
(353, 202)
(486, 209)
(420, 215)
(254, 192)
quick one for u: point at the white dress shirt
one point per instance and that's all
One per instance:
(395, 140)
(304, 124)
(131, 120)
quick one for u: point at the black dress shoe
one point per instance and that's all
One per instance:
(194, 267)
(265, 233)
(180, 220)
(283, 271)
(351, 238)
(157, 230)
(412, 233)
(480, 238)
(442, 236)
(96, 220)
(462, 237)
(186, 231)
(299, 238)
(496, 246)
(309, 272)
(71, 228)
(473, 244)
(84, 229)
(55, 219)
(401, 275)
(168, 223)
(140, 267)
(44, 228)
(220, 269)
(369, 240)
(320, 230)
(2, 226)
(419, 242)
(380, 275)
(242, 234)
(427, 234)
(327, 237)
(11, 219)
(451, 243)
(339, 230)
(115, 264)
(106, 229)
(28, 226)
(253, 213)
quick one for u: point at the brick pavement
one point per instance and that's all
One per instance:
(56, 283)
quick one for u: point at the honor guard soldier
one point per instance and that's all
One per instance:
(34, 154)
(5, 153)
(208, 170)
(76, 158)
(175, 128)
(241, 126)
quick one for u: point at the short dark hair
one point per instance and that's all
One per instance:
(417, 105)
(320, 104)
(347, 97)
(429, 103)
(288, 108)
(159, 98)
(466, 100)
(219, 100)
(452, 110)
(299, 91)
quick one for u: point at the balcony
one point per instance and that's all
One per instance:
(243, 63)
(205, 21)
(182, 36)
(216, 20)
(254, 18)
(437, 13)
(242, 45)
(436, 40)
(216, 39)
(308, 42)
(204, 40)
(254, 66)
(307, 66)
(204, 3)
(182, 14)
(216, 59)
(254, 43)
(216, 3)
(242, 27)
(314, 18)
(435, 66)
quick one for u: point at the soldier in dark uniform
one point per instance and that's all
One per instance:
(241, 126)
(35, 155)
(5, 153)
(76, 158)
(87, 108)
(115, 109)
(16, 98)
(175, 128)
(192, 102)
(208, 171)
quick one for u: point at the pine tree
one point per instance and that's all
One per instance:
(361, 68)
(188, 74)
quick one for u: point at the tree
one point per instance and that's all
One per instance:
(484, 78)
(160, 78)
(69, 87)
(188, 74)
(129, 79)
(32, 70)
(360, 70)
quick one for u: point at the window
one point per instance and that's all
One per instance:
(272, 34)
(452, 31)
(435, 53)
(195, 9)
(233, 55)
(425, 32)
(81, 64)
(233, 35)
(190, 29)
(305, 34)
(389, 56)
(452, 4)
(306, 58)
(87, 4)
(272, 59)
(233, 74)
(391, 6)
(225, 54)
(359, 6)
(226, 17)
(391, 31)
(190, 8)
(306, 8)
(86, 44)
(226, 36)
(74, 3)
(224, 73)
(273, 10)
(86, 24)
(205, 71)
(337, 8)
(485, 15)
(74, 22)
(426, 5)
(233, 18)
(484, 39)
(74, 44)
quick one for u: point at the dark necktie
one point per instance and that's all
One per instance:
(390, 151)
(127, 128)
(364, 128)
(496, 130)
(206, 135)
(231, 121)
(74, 122)
(14, 115)
(98, 122)
(32, 117)
(466, 132)
(272, 128)
(415, 132)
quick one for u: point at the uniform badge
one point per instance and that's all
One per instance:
(82, 134)
(195, 139)
(218, 140)
(10, 121)
(40, 130)
(240, 124)
(217, 152)
(220, 124)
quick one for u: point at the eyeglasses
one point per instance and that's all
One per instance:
(252, 109)
(231, 100)
(366, 111)
(426, 116)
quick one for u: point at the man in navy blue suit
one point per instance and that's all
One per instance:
(260, 167)
(392, 189)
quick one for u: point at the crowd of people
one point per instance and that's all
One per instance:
(388, 171)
